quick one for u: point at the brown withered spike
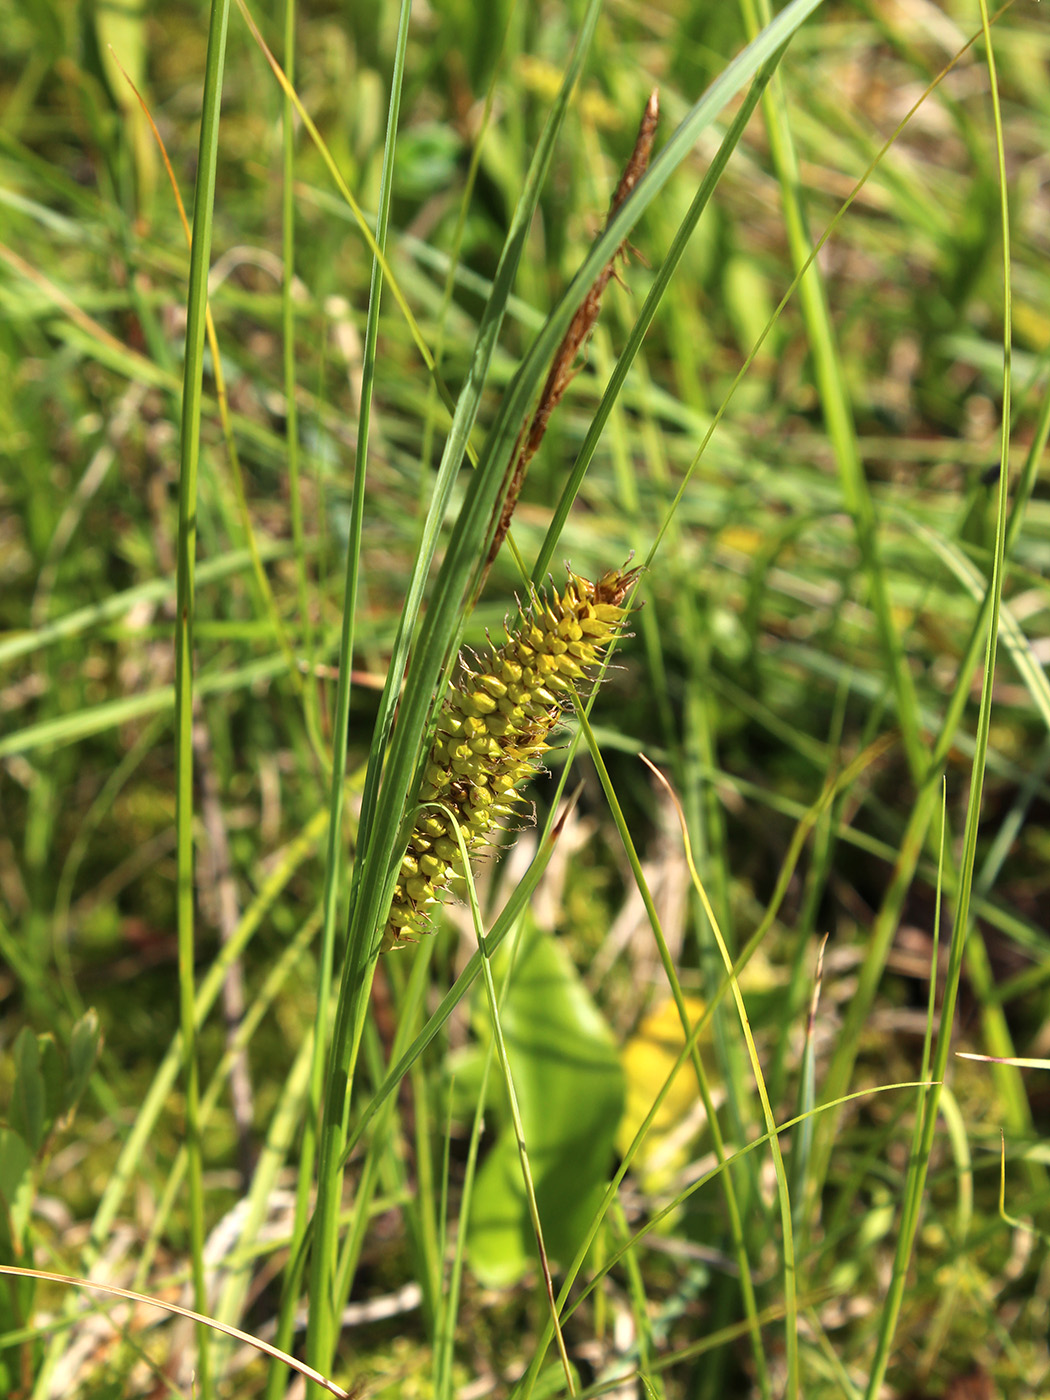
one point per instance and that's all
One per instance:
(562, 369)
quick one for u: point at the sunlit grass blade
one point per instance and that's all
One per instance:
(265, 592)
(736, 1226)
(961, 923)
(321, 1324)
(783, 1196)
(911, 1203)
(201, 1320)
(79, 724)
(196, 308)
(802, 1142)
(288, 353)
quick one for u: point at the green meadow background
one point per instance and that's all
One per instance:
(670, 1104)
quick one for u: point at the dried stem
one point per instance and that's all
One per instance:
(562, 369)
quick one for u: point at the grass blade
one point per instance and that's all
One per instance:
(196, 309)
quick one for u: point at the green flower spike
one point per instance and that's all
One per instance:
(494, 728)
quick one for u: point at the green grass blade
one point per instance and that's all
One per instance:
(120, 604)
(961, 925)
(736, 1227)
(295, 497)
(196, 308)
(917, 1164)
(65, 729)
(322, 1323)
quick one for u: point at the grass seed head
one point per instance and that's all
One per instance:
(494, 728)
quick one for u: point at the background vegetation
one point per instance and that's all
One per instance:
(808, 668)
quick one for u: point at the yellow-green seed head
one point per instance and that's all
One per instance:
(493, 729)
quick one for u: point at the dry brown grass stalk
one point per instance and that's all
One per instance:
(563, 368)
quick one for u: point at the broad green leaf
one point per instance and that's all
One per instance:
(570, 1091)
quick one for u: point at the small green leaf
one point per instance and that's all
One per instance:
(53, 1075)
(28, 1096)
(84, 1045)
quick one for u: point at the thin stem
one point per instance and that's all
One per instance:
(196, 309)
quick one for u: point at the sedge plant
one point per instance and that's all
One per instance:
(451, 746)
